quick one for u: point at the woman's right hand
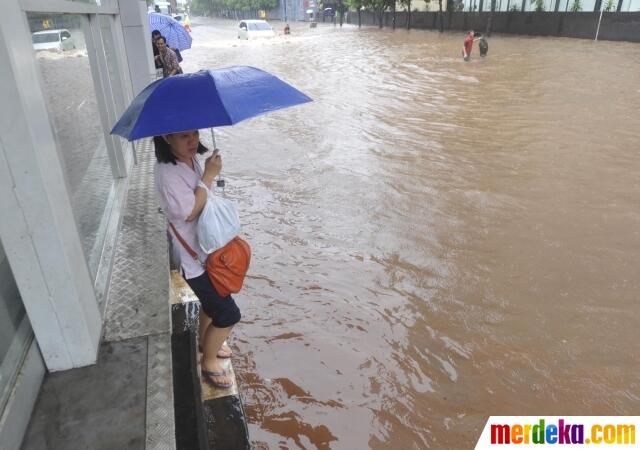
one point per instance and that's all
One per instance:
(212, 167)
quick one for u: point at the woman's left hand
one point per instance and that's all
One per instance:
(212, 167)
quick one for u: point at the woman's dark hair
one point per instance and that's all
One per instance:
(155, 33)
(164, 153)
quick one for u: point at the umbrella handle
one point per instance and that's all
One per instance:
(219, 182)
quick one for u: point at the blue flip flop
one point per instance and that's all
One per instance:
(209, 376)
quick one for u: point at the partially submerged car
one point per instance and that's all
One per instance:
(250, 29)
(57, 40)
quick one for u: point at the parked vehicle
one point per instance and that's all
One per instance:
(250, 29)
(57, 40)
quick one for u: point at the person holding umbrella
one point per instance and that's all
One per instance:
(181, 189)
(168, 58)
(213, 98)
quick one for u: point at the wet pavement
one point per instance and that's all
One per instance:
(433, 241)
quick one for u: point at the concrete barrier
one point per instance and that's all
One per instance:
(206, 417)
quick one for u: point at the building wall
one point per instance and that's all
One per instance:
(63, 182)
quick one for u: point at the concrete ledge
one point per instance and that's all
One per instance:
(217, 413)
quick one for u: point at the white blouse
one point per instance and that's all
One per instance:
(175, 190)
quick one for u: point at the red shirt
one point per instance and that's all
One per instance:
(468, 44)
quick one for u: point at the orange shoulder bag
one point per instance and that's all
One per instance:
(227, 266)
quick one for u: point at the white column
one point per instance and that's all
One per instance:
(104, 93)
(137, 42)
(37, 225)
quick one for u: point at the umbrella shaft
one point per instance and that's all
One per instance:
(213, 138)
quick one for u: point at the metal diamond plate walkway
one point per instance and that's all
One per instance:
(138, 302)
(139, 291)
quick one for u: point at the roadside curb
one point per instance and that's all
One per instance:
(206, 417)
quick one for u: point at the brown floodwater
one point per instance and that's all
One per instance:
(434, 241)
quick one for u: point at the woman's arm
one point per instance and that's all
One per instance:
(173, 62)
(212, 167)
(198, 206)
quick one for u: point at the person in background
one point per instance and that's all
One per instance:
(155, 34)
(187, 23)
(483, 45)
(168, 58)
(287, 30)
(467, 46)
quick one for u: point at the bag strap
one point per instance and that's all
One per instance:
(186, 246)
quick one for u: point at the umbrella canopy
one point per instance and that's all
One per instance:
(171, 29)
(205, 99)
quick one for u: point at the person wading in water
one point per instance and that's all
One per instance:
(467, 46)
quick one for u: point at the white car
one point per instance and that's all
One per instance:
(58, 40)
(249, 29)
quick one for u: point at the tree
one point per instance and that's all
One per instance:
(576, 6)
(490, 21)
(202, 6)
(407, 6)
(357, 5)
(393, 19)
(440, 16)
(379, 7)
(539, 5)
(267, 5)
(609, 6)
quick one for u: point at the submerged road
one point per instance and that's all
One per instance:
(434, 241)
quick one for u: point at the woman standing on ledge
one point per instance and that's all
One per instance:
(181, 188)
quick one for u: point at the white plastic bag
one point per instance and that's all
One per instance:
(218, 223)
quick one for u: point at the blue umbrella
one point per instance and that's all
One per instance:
(171, 29)
(205, 99)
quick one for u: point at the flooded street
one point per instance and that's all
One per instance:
(434, 241)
